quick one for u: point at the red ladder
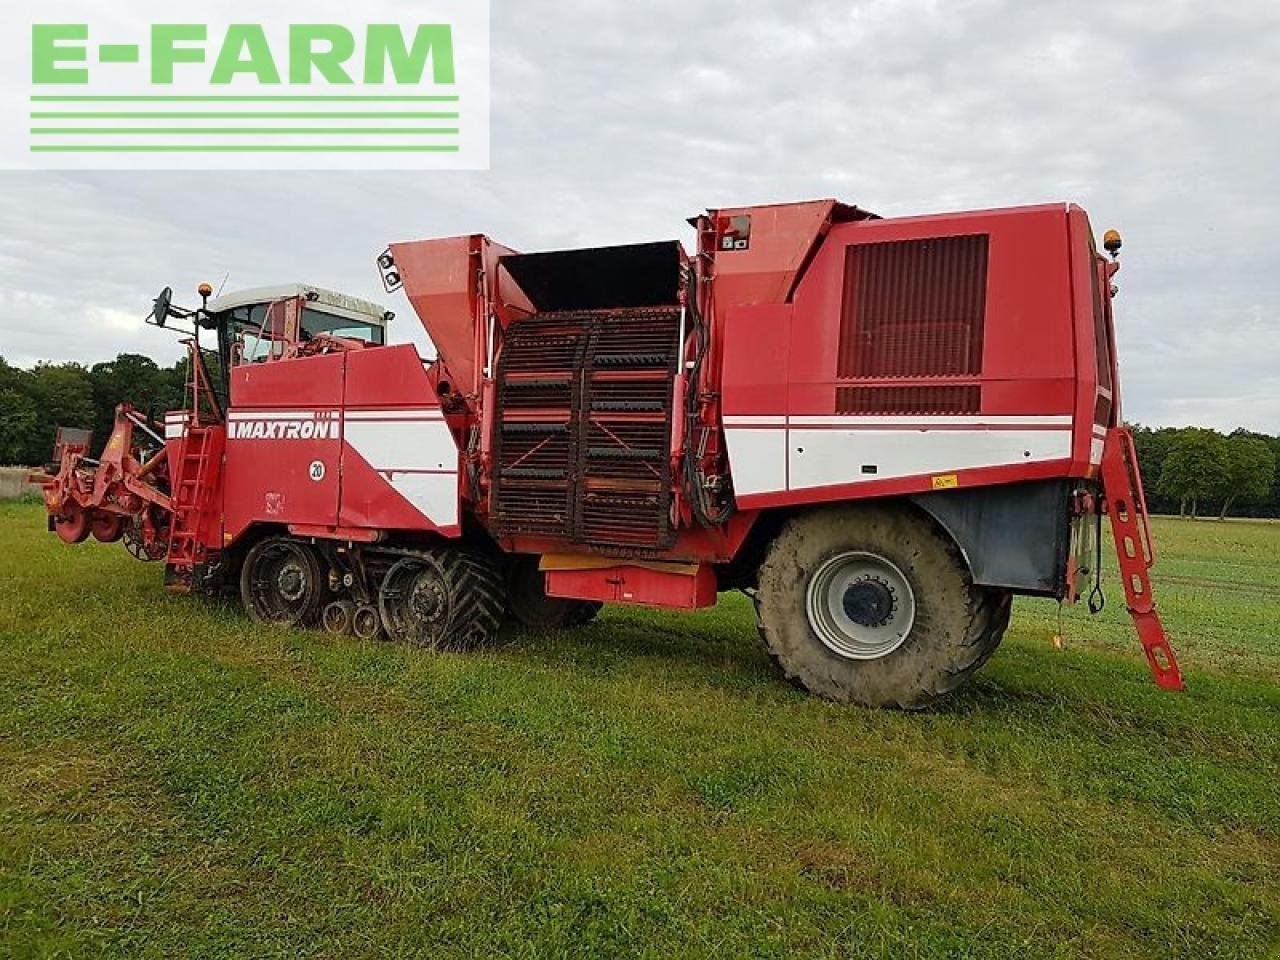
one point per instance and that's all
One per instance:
(191, 495)
(1127, 507)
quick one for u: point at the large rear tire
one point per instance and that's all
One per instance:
(875, 605)
(443, 599)
(529, 605)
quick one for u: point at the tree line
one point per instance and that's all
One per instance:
(1192, 471)
(35, 402)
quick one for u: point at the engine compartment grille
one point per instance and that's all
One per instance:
(911, 326)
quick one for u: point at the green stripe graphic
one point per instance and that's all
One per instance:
(263, 98)
(67, 108)
(223, 115)
(243, 148)
(244, 131)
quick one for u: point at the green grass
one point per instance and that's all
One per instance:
(174, 782)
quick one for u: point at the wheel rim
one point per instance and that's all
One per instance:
(860, 605)
(337, 617)
(366, 624)
(414, 602)
(291, 580)
(283, 584)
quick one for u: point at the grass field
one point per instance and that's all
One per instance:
(176, 783)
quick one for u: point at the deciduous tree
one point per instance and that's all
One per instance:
(1251, 469)
(1195, 469)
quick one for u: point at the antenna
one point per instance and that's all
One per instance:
(225, 276)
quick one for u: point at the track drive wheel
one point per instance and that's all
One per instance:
(875, 605)
(442, 598)
(529, 605)
(282, 582)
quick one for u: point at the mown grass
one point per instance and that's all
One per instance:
(174, 782)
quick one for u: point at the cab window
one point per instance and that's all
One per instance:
(256, 332)
(315, 322)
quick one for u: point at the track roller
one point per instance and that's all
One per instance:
(337, 616)
(366, 623)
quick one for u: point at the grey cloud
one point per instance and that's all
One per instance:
(612, 122)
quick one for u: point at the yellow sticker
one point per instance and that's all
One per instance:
(945, 481)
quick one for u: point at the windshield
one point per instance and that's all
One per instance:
(318, 321)
(256, 332)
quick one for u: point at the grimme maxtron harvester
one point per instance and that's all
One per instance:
(879, 429)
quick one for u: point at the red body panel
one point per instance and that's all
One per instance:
(1027, 363)
(340, 442)
(789, 441)
(400, 460)
(284, 443)
(766, 248)
(635, 584)
(452, 285)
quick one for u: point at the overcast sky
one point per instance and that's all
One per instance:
(612, 122)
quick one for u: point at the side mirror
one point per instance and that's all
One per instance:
(162, 307)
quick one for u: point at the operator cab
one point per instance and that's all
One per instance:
(271, 323)
(265, 324)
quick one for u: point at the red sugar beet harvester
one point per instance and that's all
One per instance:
(880, 429)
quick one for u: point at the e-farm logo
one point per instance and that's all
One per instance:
(404, 85)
